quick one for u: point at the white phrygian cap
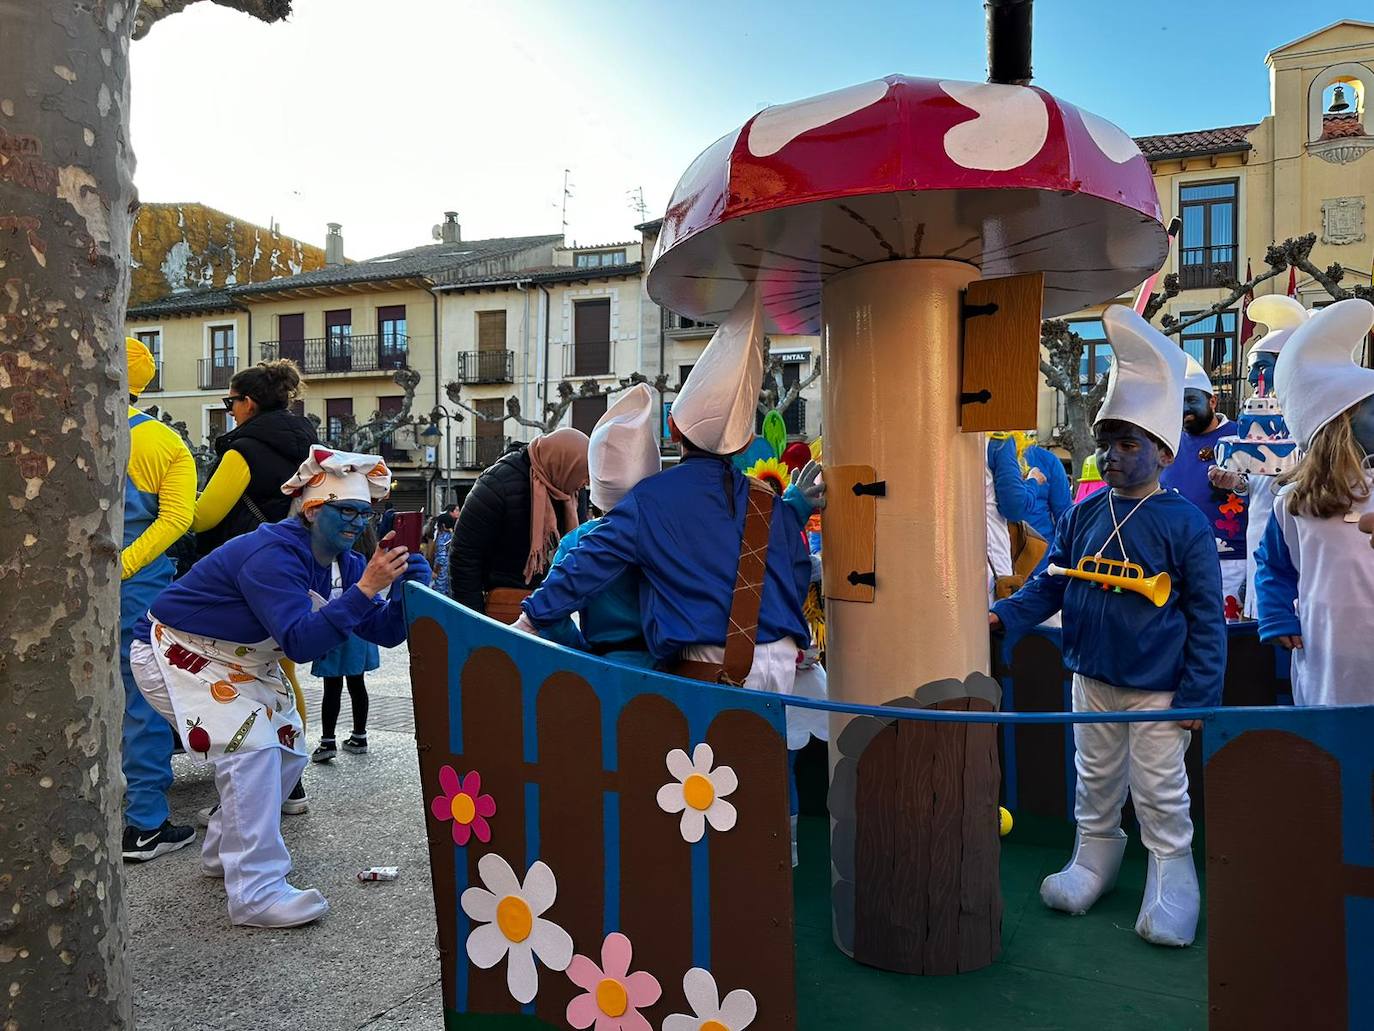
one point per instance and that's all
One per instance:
(1280, 315)
(1316, 374)
(624, 447)
(1196, 378)
(1145, 383)
(716, 408)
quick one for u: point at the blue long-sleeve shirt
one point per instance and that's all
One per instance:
(258, 586)
(1123, 639)
(1014, 493)
(1276, 585)
(1051, 499)
(681, 529)
(1188, 475)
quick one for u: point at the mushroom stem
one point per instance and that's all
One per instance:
(1009, 41)
(892, 383)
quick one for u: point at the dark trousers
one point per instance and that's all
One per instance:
(333, 700)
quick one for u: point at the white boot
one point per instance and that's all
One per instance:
(1091, 873)
(292, 909)
(1169, 910)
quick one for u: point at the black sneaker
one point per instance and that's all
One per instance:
(327, 750)
(141, 846)
(356, 744)
(296, 802)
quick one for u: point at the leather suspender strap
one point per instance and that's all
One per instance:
(744, 606)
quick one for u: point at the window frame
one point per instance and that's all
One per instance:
(1186, 274)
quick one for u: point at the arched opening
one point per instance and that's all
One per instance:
(1336, 102)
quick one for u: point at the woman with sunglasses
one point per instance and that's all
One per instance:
(207, 657)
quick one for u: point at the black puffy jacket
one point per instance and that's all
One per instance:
(491, 542)
(273, 444)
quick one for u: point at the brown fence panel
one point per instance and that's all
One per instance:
(655, 863)
(492, 745)
(751, 870)
(571, 822)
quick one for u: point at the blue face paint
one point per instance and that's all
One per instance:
(1264, 362)
(1197, 411)
(1362, 422)
(1126, 456)
(337, 525)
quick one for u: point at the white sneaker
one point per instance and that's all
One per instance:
(291, 910)
(1169, 910)
(203, 815)
(1090, 874)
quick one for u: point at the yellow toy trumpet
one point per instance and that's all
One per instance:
(1124, 576)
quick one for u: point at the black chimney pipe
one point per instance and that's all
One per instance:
(1009, 41)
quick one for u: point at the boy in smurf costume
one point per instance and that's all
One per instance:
(1125, 653)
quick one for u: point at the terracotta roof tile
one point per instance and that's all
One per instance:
(1225, 140)
(1335, 127)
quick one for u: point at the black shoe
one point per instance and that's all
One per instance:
(141, 846)
(296, 802)
(355, 744)
(325, 752)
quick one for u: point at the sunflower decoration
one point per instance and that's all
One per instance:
(772, 472)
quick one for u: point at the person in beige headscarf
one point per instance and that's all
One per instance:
(512, 521)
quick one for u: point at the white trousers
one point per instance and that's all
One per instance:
(244, 836)
(1146, 757)
(774, 670)
(1232, 577)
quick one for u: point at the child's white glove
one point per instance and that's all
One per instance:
(811, 485)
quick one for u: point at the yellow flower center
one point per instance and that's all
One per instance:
(713, 1025)
(514, 918)
(464, 809)
(698, 792)
(611, 997)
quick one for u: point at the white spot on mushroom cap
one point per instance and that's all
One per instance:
(1010, 129)
(776, 127)
(1109, 139)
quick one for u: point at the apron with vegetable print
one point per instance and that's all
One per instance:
(228, 697)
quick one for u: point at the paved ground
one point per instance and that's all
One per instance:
(371, 963)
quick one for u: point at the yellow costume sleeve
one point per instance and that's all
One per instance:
(222, 492)
(159, 463)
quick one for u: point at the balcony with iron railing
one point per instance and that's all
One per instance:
(364, 353)
(486, 367)
(1198, 267)
(216, 372)
(675, 325)
(477, 452)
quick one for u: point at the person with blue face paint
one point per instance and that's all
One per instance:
(1314, 575)
(207, 657)
(1126, 653)
(1194, 474)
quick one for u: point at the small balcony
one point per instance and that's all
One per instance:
(477, 452)
(1198, 267)
(342, 355)
(215, 373)
(486, 367)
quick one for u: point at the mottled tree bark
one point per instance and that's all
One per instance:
(66, 203)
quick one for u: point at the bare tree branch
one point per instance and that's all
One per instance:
(365, 437)
(150, 12)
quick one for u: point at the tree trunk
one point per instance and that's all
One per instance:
(66, 191)
(1078, 435)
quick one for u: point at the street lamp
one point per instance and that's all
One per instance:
(432, 433)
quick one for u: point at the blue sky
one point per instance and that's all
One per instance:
(381, 124)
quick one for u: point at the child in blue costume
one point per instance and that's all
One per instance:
(623, 450)
(1124, 652)
(207, 657)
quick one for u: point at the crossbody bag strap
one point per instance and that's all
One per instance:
(743, 629)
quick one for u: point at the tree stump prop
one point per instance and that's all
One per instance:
(915, 843)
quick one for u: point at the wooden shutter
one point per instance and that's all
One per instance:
(487, 427)
(592, 338)
(586, 411)
(491, 331)
(291, 337)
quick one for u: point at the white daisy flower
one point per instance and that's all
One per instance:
(510, 925)
(698, 792)
(708, 1013)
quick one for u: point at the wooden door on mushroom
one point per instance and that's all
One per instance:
(572, 757)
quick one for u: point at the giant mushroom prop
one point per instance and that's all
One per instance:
(863, 214)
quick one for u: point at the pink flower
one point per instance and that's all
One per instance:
(463, 803)
(613, 996)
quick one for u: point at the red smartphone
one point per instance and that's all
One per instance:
(407, 527)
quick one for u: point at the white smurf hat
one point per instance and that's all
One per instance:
(715, 409)
(1145, 383)
(1280, 315)
(1196, 378)
(1316, 374)
(624, 447)
(329, 475)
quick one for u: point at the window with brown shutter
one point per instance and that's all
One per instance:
(592, 337)
(336, 409)
(386, 408)
(491, 434)
(586, 411)
(491, 331)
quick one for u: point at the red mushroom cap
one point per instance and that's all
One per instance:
(1004, 177)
